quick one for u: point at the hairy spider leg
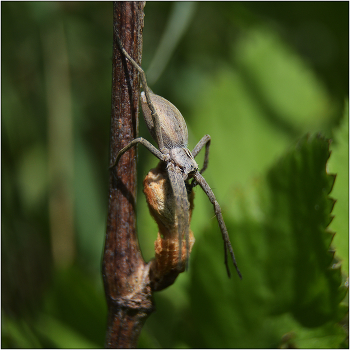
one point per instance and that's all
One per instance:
(227, 244)
(144, 142)
(146, 89)
(205, 140)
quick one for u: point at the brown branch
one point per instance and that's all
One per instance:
(125, 274)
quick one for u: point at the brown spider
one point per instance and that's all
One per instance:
(168, 128)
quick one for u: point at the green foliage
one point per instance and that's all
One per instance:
(339, 164)
(281, 243)
(257, 77)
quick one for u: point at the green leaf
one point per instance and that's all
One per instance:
(339, 164)
(280, 237)
(17, 334)
(299, 188)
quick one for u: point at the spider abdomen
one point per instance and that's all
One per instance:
(172, 123)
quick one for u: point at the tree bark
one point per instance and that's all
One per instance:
(125, 274)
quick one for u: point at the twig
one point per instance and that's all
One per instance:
(125, 274)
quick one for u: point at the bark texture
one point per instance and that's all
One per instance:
(125, 274)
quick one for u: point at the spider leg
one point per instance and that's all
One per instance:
(144, 142)
(205, 140)
(181, 207)
(227, 244)
(146, 89)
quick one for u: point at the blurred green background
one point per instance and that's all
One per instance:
(257, 77)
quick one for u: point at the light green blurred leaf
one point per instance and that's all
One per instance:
(62, 335)
(32, 176)
(17, 334)
(283, 81)
(243, 142)
(89, 207)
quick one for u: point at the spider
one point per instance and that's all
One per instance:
(168, 128)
